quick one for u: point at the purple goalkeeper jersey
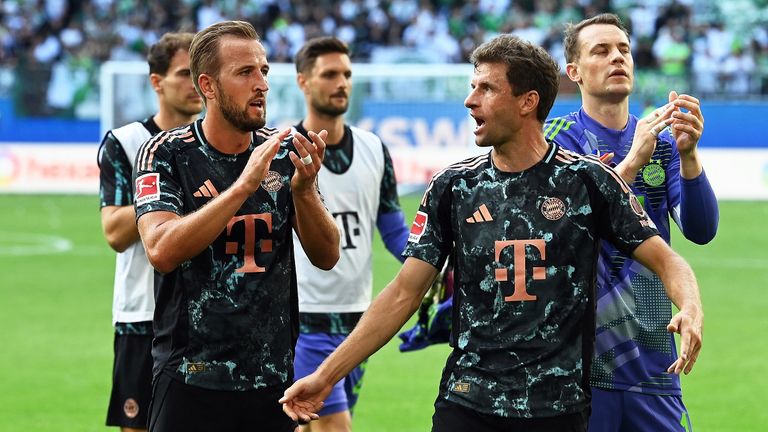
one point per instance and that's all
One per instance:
(633, 348)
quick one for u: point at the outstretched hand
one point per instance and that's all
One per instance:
(308, 159)
(305, 397)
(690, 327)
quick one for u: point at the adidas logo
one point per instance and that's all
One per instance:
(206, 190)
(480, 215)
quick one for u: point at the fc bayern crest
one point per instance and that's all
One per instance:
(131, 408)
(654, 175)
(636, 206)
(272, 182)
(553, 208)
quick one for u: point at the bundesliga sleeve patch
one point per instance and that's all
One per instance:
(147, 188)
(417, 229)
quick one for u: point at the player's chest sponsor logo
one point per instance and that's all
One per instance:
(418, 227)
(273, 182)
(521, 265)
(147, 188)
(553, 208)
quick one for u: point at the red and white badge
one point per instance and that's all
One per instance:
(147, 188)
(418, 227)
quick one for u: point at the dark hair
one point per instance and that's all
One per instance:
(160, 54)
(314, 48)
(571, 40)
(529, 67)
(204, 51)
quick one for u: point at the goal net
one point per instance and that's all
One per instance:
(416, 109)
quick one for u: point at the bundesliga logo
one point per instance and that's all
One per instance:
(147, 188)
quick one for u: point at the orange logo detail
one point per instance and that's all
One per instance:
(480, 215)
(538, 273)
(249, 243)
(206, 190)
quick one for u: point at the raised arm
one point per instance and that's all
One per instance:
(681, 287)
(699, 212)
(386, 315)
(314, 226)
(170, 239)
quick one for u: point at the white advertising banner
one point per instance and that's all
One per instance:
(41, 168)
(739, 174)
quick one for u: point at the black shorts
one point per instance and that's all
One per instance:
(131, 382)
(451, 417)
(181, 407)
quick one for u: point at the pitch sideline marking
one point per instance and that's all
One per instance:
(25, 244)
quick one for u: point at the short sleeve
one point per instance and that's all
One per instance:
(157, 187)
(115, 173)
(388, 199)
(621, 219)
(431, 237)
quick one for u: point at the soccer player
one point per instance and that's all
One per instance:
(133, 300)
(359, 189)
(216, 203)
(523, 225)
(635, 343)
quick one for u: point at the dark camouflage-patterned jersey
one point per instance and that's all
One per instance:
(226, 319)
(525, 248)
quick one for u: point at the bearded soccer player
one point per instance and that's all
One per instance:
(359, 189)
(133, 300)
(217, 202)
(523, 225)
(633, 388)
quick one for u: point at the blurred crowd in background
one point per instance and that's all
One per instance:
(51, 50)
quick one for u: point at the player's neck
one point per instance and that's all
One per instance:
(611, 114)
(166, 120)
(223, 136)
(525, 150)
(334, 125)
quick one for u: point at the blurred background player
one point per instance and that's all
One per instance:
(523, 223)
(635, 344)
(134, 300)
(359, 188)
(216, 203)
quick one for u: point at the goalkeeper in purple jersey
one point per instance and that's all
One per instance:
(633, 387)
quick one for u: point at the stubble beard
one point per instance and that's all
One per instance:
(330, 109)
(239, 117)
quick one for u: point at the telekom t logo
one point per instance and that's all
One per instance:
(538, 273)
(249, 246)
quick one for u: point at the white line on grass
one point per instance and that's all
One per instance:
(24, 244)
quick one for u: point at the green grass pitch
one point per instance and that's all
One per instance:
(56, 337)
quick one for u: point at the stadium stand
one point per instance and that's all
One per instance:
(51, 50)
